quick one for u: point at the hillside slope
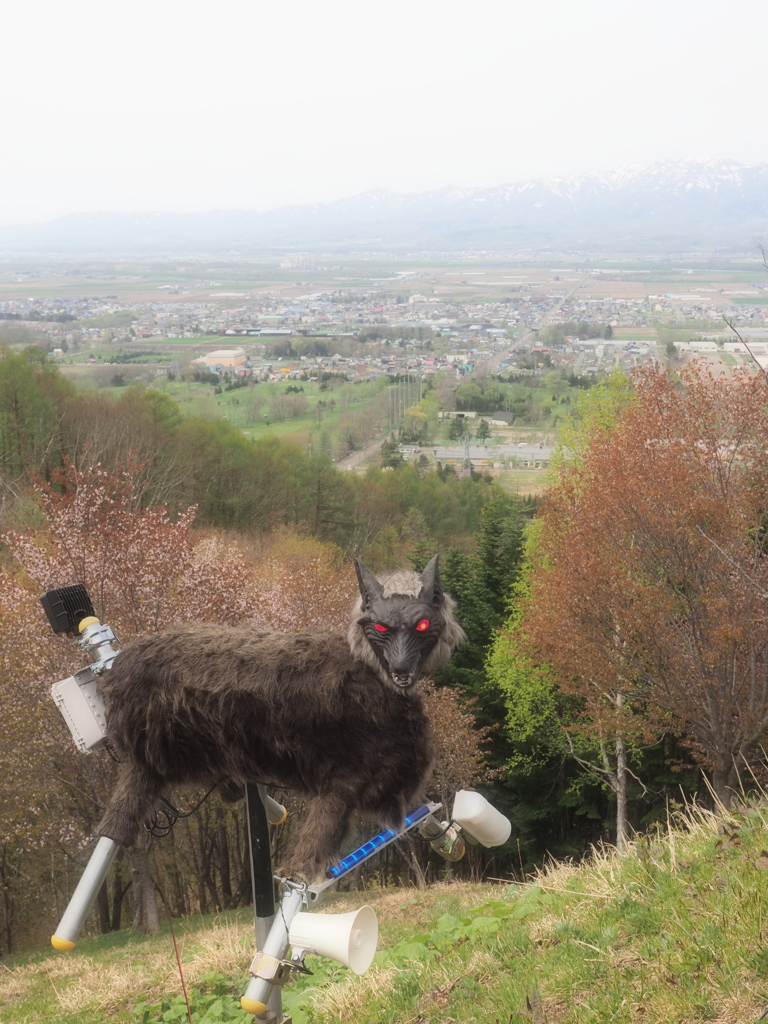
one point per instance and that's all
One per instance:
(674, 931)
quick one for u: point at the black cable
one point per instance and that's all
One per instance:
(431, 839)
(172, 814)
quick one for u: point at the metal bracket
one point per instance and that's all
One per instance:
(276, 971)
(269, 968)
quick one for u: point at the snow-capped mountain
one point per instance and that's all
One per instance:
(665, 206)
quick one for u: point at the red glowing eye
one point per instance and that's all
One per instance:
(379, 629)
(424, 624)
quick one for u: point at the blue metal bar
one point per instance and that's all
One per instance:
(378, 842)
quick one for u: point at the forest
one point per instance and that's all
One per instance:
(616, 629)
(168, 519)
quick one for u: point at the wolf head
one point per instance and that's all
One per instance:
(403, 625)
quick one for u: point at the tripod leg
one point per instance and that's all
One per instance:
(84, 895)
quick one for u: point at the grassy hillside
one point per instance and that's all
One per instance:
(674, 931)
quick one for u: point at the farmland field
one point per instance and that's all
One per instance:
(119, 321)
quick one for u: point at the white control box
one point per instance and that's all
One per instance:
(83, 709)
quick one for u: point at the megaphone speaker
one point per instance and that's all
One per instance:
(480, 819)
(349, 938)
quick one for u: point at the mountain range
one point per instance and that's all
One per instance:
(664, 207)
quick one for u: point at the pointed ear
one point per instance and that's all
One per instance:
(370, 588)
(431, 587)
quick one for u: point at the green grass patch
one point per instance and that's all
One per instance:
(673, 931)
(255, 409)
(191, 341)
(634, 333)
(129, 978)
(524, 481)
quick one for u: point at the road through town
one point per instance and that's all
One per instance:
(488, 366)
(491, 366)
(357, 458)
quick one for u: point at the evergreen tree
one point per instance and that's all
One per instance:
(481, 584)
(456, 429)
(483, 431)
(391, 458)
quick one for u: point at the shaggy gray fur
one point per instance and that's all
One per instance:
(340, 721)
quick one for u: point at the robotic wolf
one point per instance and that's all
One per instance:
(339, 720)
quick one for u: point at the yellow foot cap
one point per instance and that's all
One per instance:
(63, 944)
(252, 1005)
(283, 816)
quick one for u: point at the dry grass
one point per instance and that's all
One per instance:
(672, 932)
(226, 947)
(347, 999)
(104, 987)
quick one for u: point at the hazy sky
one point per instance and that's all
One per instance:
(199, 106)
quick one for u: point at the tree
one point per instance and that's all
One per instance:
(460, 761)
(391, 457)
(457, 428)
(650, 580)
(141, 424)
(26, 822)
(554, 804)
(483, 431)
(32, 398)
(144, 570)
(481, 584)
(323, 499)
(303, 584)
(595, 414)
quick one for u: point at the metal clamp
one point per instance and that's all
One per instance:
(269, 968)
(97, 639)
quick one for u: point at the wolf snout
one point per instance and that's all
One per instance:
(403, 669)
(403, 679)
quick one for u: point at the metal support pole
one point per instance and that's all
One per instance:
(82, 898)
(264, 985)
(262, 881)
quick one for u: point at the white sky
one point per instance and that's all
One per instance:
(167, 105)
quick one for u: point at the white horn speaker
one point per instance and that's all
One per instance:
(480, 819)
(349, 938)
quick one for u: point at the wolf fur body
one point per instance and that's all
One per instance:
(339, 720)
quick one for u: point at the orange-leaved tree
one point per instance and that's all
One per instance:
(546, 725)
(650, 582)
